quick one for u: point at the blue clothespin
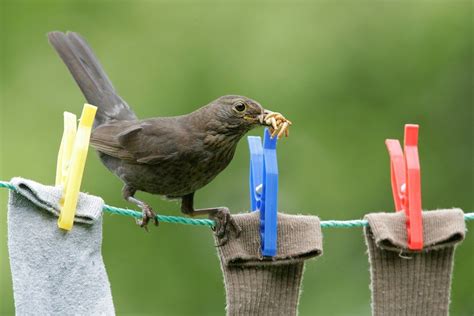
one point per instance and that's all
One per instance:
(264, 188)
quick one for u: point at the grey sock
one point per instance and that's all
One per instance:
(255, 286)
(56, 272)
(406, 282)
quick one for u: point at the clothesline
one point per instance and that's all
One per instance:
(210, 223)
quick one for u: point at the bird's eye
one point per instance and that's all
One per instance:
(240, 107)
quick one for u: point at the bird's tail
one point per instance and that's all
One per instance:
(91, 78)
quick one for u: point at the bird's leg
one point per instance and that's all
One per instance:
(221, 215)
(128, 193)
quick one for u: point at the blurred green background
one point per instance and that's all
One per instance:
(349, 74)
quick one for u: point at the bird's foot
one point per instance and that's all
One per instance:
(147, 215)
(225, 223)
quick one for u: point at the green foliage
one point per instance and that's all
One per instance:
(347, 73)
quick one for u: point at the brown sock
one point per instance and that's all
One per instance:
(406, 282)
(258, 286)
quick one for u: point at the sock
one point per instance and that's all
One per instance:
(258, 286)
(54, 271)
(412, 283)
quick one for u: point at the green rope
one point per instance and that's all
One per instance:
(345, 224)
(469, 216)
(7, 185)
(161, 218)
(211, 223)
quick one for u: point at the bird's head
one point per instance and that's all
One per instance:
(238, 114)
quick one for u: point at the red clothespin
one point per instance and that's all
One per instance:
(406, 183)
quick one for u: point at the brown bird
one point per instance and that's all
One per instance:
(169, 156)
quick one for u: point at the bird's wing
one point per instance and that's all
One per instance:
(143, 142)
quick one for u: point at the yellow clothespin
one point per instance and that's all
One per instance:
(65, 150)
(74, 161)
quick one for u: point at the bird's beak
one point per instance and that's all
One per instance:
(260, 119)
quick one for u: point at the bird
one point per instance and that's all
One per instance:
(172, 157)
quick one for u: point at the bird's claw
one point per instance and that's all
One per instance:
(147, 215)
(225, 223)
